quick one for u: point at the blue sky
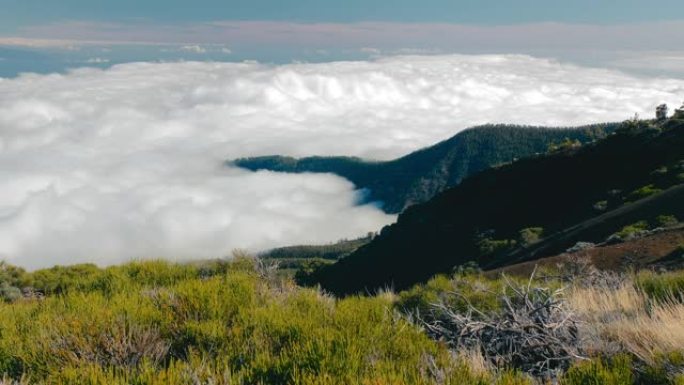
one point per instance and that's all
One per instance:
(48, 35)
(27, 12)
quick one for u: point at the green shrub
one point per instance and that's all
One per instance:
(615, 371)
(11, 275)
(663, 170)
(601, 206)
(662, 370)
(630, 230)
(566, 144)
(61, 279)
(467, 269)
(488, 246)
(531, 235)
(661, 287)
(666, 221)
(459, 293)
(168, 324)
(9, 293)
(643, 192)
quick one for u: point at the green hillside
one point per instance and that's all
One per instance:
(417, 177)
(504, 214)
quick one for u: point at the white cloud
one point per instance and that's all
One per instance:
(106, 165)
(193, 49)
(97, 60)
(652, 62)
(370, 51)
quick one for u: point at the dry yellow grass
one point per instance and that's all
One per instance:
(624, 318)
(474, 360)
(660, 331)
(601, 305)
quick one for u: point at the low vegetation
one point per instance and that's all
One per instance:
(241, 322)
(217, 323)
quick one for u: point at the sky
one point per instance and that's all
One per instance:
(20, 13)
(47, 36)
(117, 118)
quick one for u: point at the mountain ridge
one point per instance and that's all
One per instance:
(482, 219)
(418, 176)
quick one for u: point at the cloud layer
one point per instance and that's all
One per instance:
(107, 165)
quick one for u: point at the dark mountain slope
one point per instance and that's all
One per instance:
(417, 177)
(661, 250)
(483, 218)
(670, 202)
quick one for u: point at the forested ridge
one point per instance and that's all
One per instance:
(417, 177)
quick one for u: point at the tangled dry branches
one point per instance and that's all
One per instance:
(534, 331)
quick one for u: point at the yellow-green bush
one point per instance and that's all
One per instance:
(616, 371)
(161, 323)
(662, 286)
(459, 292)
(234, 323)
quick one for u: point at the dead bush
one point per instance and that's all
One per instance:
(535, 331)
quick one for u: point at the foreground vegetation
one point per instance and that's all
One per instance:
(240, 322)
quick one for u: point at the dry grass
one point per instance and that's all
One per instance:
(596, 304)
(661, 331)
(474, 360)
(626, 320)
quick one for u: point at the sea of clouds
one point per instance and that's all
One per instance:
(107, 165)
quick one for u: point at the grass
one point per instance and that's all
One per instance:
(160, 323)
(628, 319)
(663, 286)
(241, 323)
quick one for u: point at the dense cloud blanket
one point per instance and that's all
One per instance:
(107, 165)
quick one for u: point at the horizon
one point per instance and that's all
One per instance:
(43, 36)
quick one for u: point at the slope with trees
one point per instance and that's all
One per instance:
(504, 214)
(417, 177)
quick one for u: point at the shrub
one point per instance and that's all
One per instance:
(488, 246)
(663, 170)
(615, 371)
(11, 275)
(601, 206)
(530, 235)
(467, 269)
(643, 192)
(663, 370)
(632, 230)
(61, 279)
(661, 287)
(9, 293)
(666, 221)
(168, 324)
(566, 144)
(534, 332)
(459, 293)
